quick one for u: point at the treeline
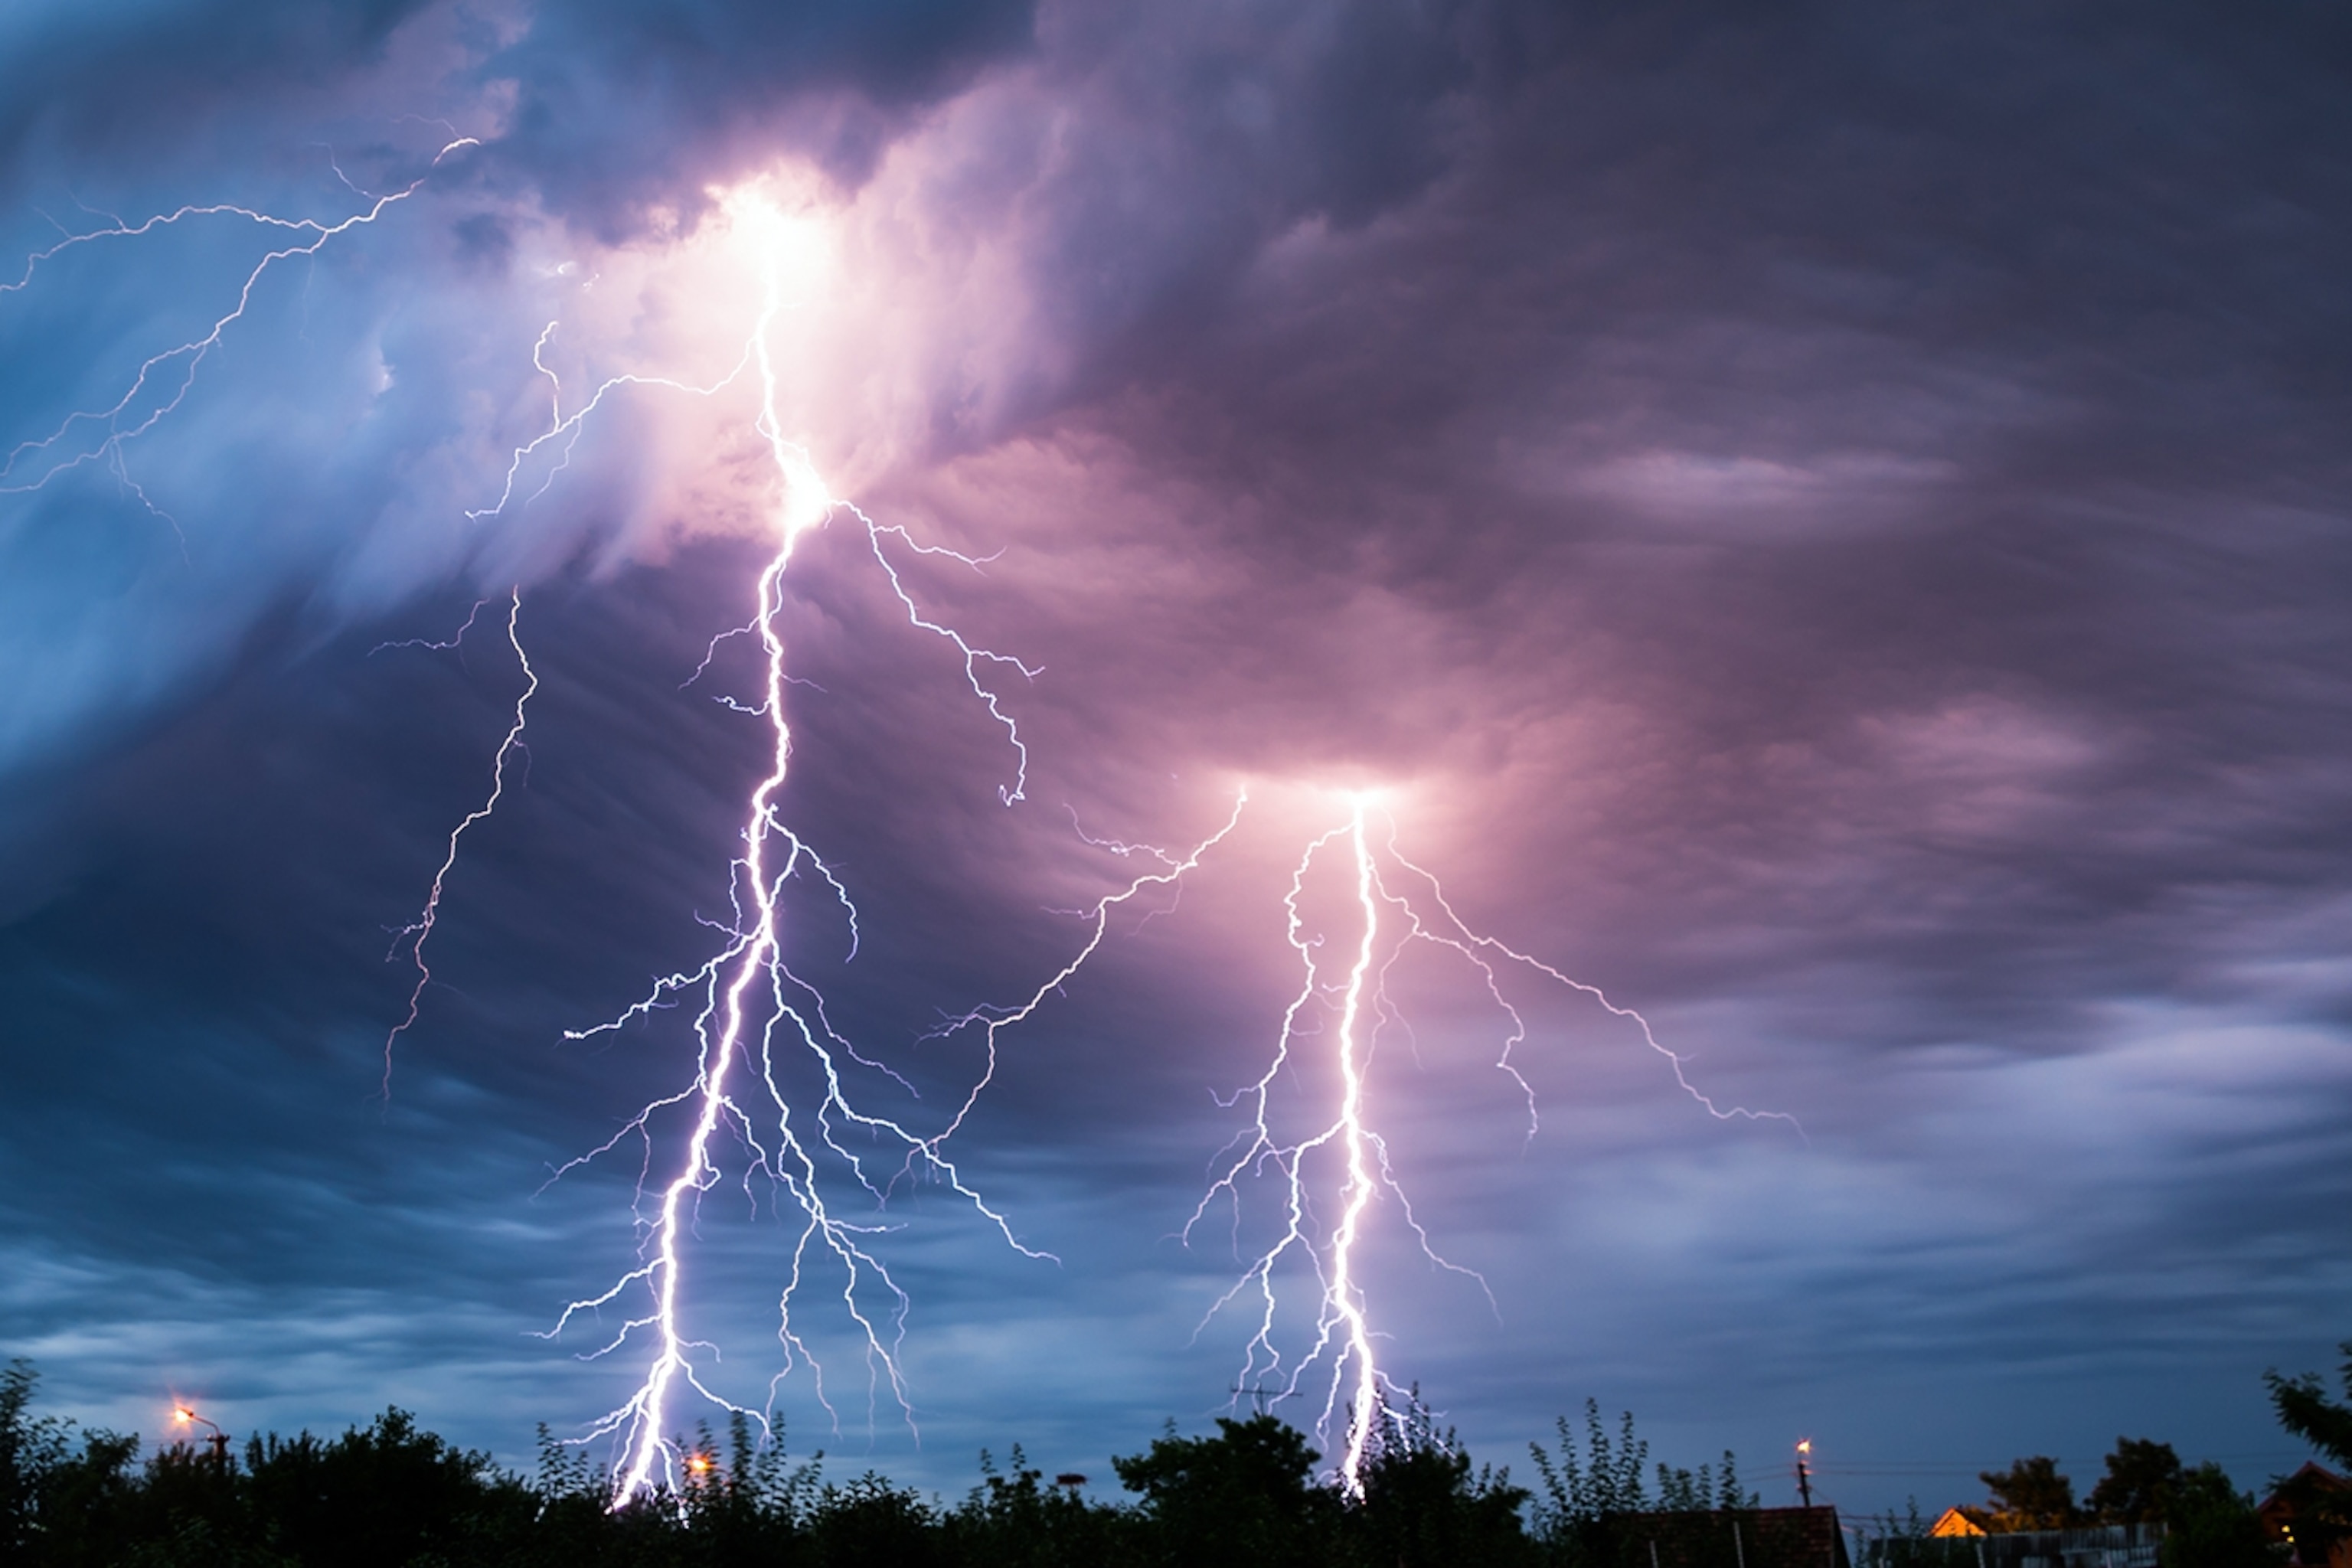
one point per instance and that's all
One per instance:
(391, 1495)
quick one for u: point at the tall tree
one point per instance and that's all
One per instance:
(2304, 1409)
(1246, 1495)
(2030, 1495)
(2211, 1524)
(1607, 1481)
(2137, 1488)
(1424, 1505)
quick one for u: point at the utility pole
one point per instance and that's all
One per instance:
(1804, 1473)
(1257, 1397)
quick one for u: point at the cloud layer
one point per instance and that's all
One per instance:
(1832, 526)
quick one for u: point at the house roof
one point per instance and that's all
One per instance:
(1954, 1522)
(2313, 1476)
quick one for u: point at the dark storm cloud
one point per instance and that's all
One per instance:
(612, 103)
(1835, 518)
(1911, 447)
(1835, 381)
(621, 106)
(110, 76)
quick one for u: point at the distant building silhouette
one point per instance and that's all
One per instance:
(1959, 1542)
(2292, 1514)
(1732, 1538)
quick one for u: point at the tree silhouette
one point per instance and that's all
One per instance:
(2137, 1488)
(2322, 1512)
(1424, 1507)
(1246, 1495)
(2030, 1495)
(2304, 1409)
(2214, 1525)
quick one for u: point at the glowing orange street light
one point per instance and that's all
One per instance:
(218, 1441)
(1804, 1473)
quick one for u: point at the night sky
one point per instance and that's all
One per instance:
(1829, 522)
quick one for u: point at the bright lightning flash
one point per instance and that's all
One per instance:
(754, 1011)
(752, 1007)
(1351, 991)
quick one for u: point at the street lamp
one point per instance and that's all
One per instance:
(218, 1441)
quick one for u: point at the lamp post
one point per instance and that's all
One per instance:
(1804, 1473)
(218, 1441)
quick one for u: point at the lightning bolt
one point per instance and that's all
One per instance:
(161, 384)
(415, 934)
(1344, 1298)
(992, 1021)
(1341, 1357)
(755, 1016)
(152, 386)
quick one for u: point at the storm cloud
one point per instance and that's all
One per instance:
(1830, 524)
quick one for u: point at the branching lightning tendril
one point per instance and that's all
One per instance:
(123, 421)
(1339, 1372)
(415, 934)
